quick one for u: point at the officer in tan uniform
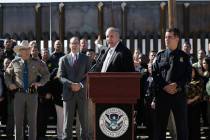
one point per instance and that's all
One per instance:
(21, 76)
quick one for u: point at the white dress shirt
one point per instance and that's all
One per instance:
(108, 58)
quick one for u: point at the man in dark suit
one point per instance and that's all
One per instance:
(72, 70)
(117, 57)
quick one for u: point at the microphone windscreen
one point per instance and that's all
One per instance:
(102, 51)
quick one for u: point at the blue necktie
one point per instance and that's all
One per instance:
(25, 76)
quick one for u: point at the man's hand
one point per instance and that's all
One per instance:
(1, 99)
(48, 96)
(12, 87)
(36, 85)
(190, 101)
(171, 88)
(153, 105)
(75, 87)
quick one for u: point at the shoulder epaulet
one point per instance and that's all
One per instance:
(160, 51)
(16, 59)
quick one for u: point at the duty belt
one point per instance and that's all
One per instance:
(31, 90)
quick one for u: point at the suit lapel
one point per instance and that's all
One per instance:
(104, 56)
(112, 58)
(114, 54)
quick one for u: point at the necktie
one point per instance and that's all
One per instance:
(25, 76)
(170, 70)
(75, 59)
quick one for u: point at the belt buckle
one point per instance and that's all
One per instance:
(27, 90)
(32, 90)
(21, 90)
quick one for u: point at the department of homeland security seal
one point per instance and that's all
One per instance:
(113, 122)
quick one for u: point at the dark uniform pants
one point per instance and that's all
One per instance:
(178, 104)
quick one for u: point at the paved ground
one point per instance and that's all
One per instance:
(51, 133)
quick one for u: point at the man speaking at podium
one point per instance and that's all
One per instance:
(117, 57)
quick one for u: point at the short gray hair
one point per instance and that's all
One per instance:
(113, 29)
(74, 37)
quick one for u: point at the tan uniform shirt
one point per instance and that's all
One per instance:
(14, 72)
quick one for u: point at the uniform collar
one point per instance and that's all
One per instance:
(24, 60)
(172, 51)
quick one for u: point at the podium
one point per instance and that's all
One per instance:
(113, 96)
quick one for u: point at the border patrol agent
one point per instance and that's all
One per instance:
(172, 71)
(21, 76)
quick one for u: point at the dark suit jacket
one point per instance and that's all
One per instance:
(69, 73)
(121, 60)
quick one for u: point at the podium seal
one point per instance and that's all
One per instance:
(113, 122)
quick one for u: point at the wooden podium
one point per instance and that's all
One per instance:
(114, 95)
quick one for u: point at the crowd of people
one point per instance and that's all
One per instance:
(33, 109)
(174, 86)
(33, 82)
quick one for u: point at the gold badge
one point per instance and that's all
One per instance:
(181, 59)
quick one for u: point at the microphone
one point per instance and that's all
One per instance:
(102, 52)
(97, 61)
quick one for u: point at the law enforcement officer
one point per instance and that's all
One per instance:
(187, 49)
(21, 75)
(56, 93)
(172, 71)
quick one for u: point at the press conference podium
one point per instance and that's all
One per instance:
(113, 96)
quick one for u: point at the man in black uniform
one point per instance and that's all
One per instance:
(172, 71)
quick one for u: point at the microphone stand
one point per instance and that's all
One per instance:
(92, 69)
